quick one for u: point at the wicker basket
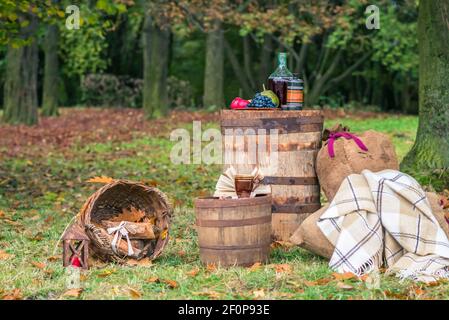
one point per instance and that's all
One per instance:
(110, 201)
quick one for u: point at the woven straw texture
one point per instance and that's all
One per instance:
(110, 201)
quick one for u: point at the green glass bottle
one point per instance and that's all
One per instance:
(278, 80)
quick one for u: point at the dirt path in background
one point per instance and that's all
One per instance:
(82, 126)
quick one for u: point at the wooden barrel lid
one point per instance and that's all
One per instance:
(264, 114)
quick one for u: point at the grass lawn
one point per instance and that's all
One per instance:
(41, 190)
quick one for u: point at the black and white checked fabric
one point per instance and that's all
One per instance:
(384, 219)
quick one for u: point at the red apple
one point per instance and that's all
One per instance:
(239, 103)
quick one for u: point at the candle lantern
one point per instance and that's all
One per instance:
(75, 247)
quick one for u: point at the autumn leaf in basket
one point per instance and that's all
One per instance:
(101, 179)
(131, 215)
(164, 234)
(151, 220)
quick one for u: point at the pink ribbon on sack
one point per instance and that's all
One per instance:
(346, 135)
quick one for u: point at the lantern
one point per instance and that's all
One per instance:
(75, 247)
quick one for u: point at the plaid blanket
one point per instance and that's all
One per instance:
(384, 219)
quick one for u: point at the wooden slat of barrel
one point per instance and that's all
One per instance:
(295, 188)
(234, 231)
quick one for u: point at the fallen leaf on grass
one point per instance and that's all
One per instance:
(318, 282)
(37, 282)
(281, 244)
(211, 267)
(101, 179)
(36, 237)
(152, 280)
(344, 286)
(5, 256)
(364, 277)
(49, 220)
(12, 222)
(74, 293)
(49, 272)
(39, 265)
(152, 183)
(396, 295)
(343, 276)
(146, 262)
(15, 294)
(135, 294)
(418, 291)
(283, 268)
(433, 283)
(83, 277)
(293, 283)
(181, 253)
(259, 293)
(285, 295)
(106, 273)
(256, 266)
(209, 294)
(193, 272)
(54, 258)
(171, 283)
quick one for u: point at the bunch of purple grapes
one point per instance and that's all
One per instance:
(261, 101)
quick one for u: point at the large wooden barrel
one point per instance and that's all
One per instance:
(295, 187)
(234, 231)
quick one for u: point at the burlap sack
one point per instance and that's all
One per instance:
(349, 158)
(438, 212)
(310, 237)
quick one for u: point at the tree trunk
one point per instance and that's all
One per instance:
(265, 59)
(213, 75)
(237, 68)
(247, 61)
(51, 72)
(156, 43)
(20, 89)
(431, 148)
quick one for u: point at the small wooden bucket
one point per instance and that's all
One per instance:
(234, 231)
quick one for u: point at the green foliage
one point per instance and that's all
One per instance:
(188, 61)
(83, 50)
(15, 15)
(396, 43)
(109, 41)
(350, 30)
